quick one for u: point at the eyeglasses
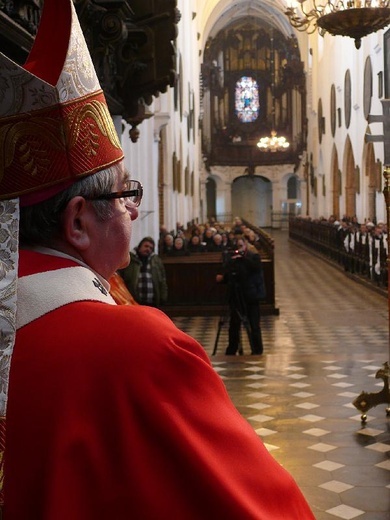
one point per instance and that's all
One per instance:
(131, 196)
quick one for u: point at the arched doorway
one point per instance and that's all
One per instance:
(293, 196)
(252, 199)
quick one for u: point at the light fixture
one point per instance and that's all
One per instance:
(353, 18)
(273, 143)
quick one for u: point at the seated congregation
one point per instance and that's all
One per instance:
(211, 237)
(191, 272)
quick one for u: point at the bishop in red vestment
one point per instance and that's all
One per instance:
(111, 412)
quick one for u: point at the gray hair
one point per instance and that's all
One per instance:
(41, 223)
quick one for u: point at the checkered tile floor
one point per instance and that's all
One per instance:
(325, 347)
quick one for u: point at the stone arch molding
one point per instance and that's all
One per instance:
(277, 177)
(272, 173)
(217, 178)
(220, 13)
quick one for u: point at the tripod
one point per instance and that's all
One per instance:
(236, 302)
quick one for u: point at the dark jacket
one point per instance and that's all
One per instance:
(131, 272)
(245, 274)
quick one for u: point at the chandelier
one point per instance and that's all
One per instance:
(353, 18)
(273, 143)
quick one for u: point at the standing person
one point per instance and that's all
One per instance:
(244, 276)
(145, 275)
(111, 411)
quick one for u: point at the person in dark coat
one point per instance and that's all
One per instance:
(245, 279)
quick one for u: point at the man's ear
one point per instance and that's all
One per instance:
(76, 220)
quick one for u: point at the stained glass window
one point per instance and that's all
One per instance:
(247, 99)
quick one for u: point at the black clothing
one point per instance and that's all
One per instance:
(215, 248)
(196, 248)
(178, 252)
(244, 276)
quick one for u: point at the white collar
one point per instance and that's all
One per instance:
(60, 254)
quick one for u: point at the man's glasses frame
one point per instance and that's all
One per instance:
(131, 196)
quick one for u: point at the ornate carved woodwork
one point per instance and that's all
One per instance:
(250, 47)
(131, 44)
(18, 24)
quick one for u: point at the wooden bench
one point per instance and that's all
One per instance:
(193, 290)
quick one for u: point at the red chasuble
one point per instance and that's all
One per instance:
(115, 414)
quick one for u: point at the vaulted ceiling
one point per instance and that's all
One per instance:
(216, 14)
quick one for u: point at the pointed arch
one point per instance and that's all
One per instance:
(371, 179)
(293, 187)
(352, 178)
(336, 183)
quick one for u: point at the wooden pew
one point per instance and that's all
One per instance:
(193, 291)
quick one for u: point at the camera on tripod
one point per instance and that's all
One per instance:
(235, 297)
(230, 255)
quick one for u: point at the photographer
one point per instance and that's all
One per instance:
(244, 276)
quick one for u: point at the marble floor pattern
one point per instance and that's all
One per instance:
(326, 345)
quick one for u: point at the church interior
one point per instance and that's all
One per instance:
(276, 112)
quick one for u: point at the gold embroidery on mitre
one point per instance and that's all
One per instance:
(78, 124)
(30, 142)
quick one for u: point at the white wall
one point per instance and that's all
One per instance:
(326, 61)
(331, 57)
(141, 158)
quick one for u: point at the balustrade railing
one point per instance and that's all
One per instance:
(361, 253)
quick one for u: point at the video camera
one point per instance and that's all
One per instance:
(234, 252)
(230, 255)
